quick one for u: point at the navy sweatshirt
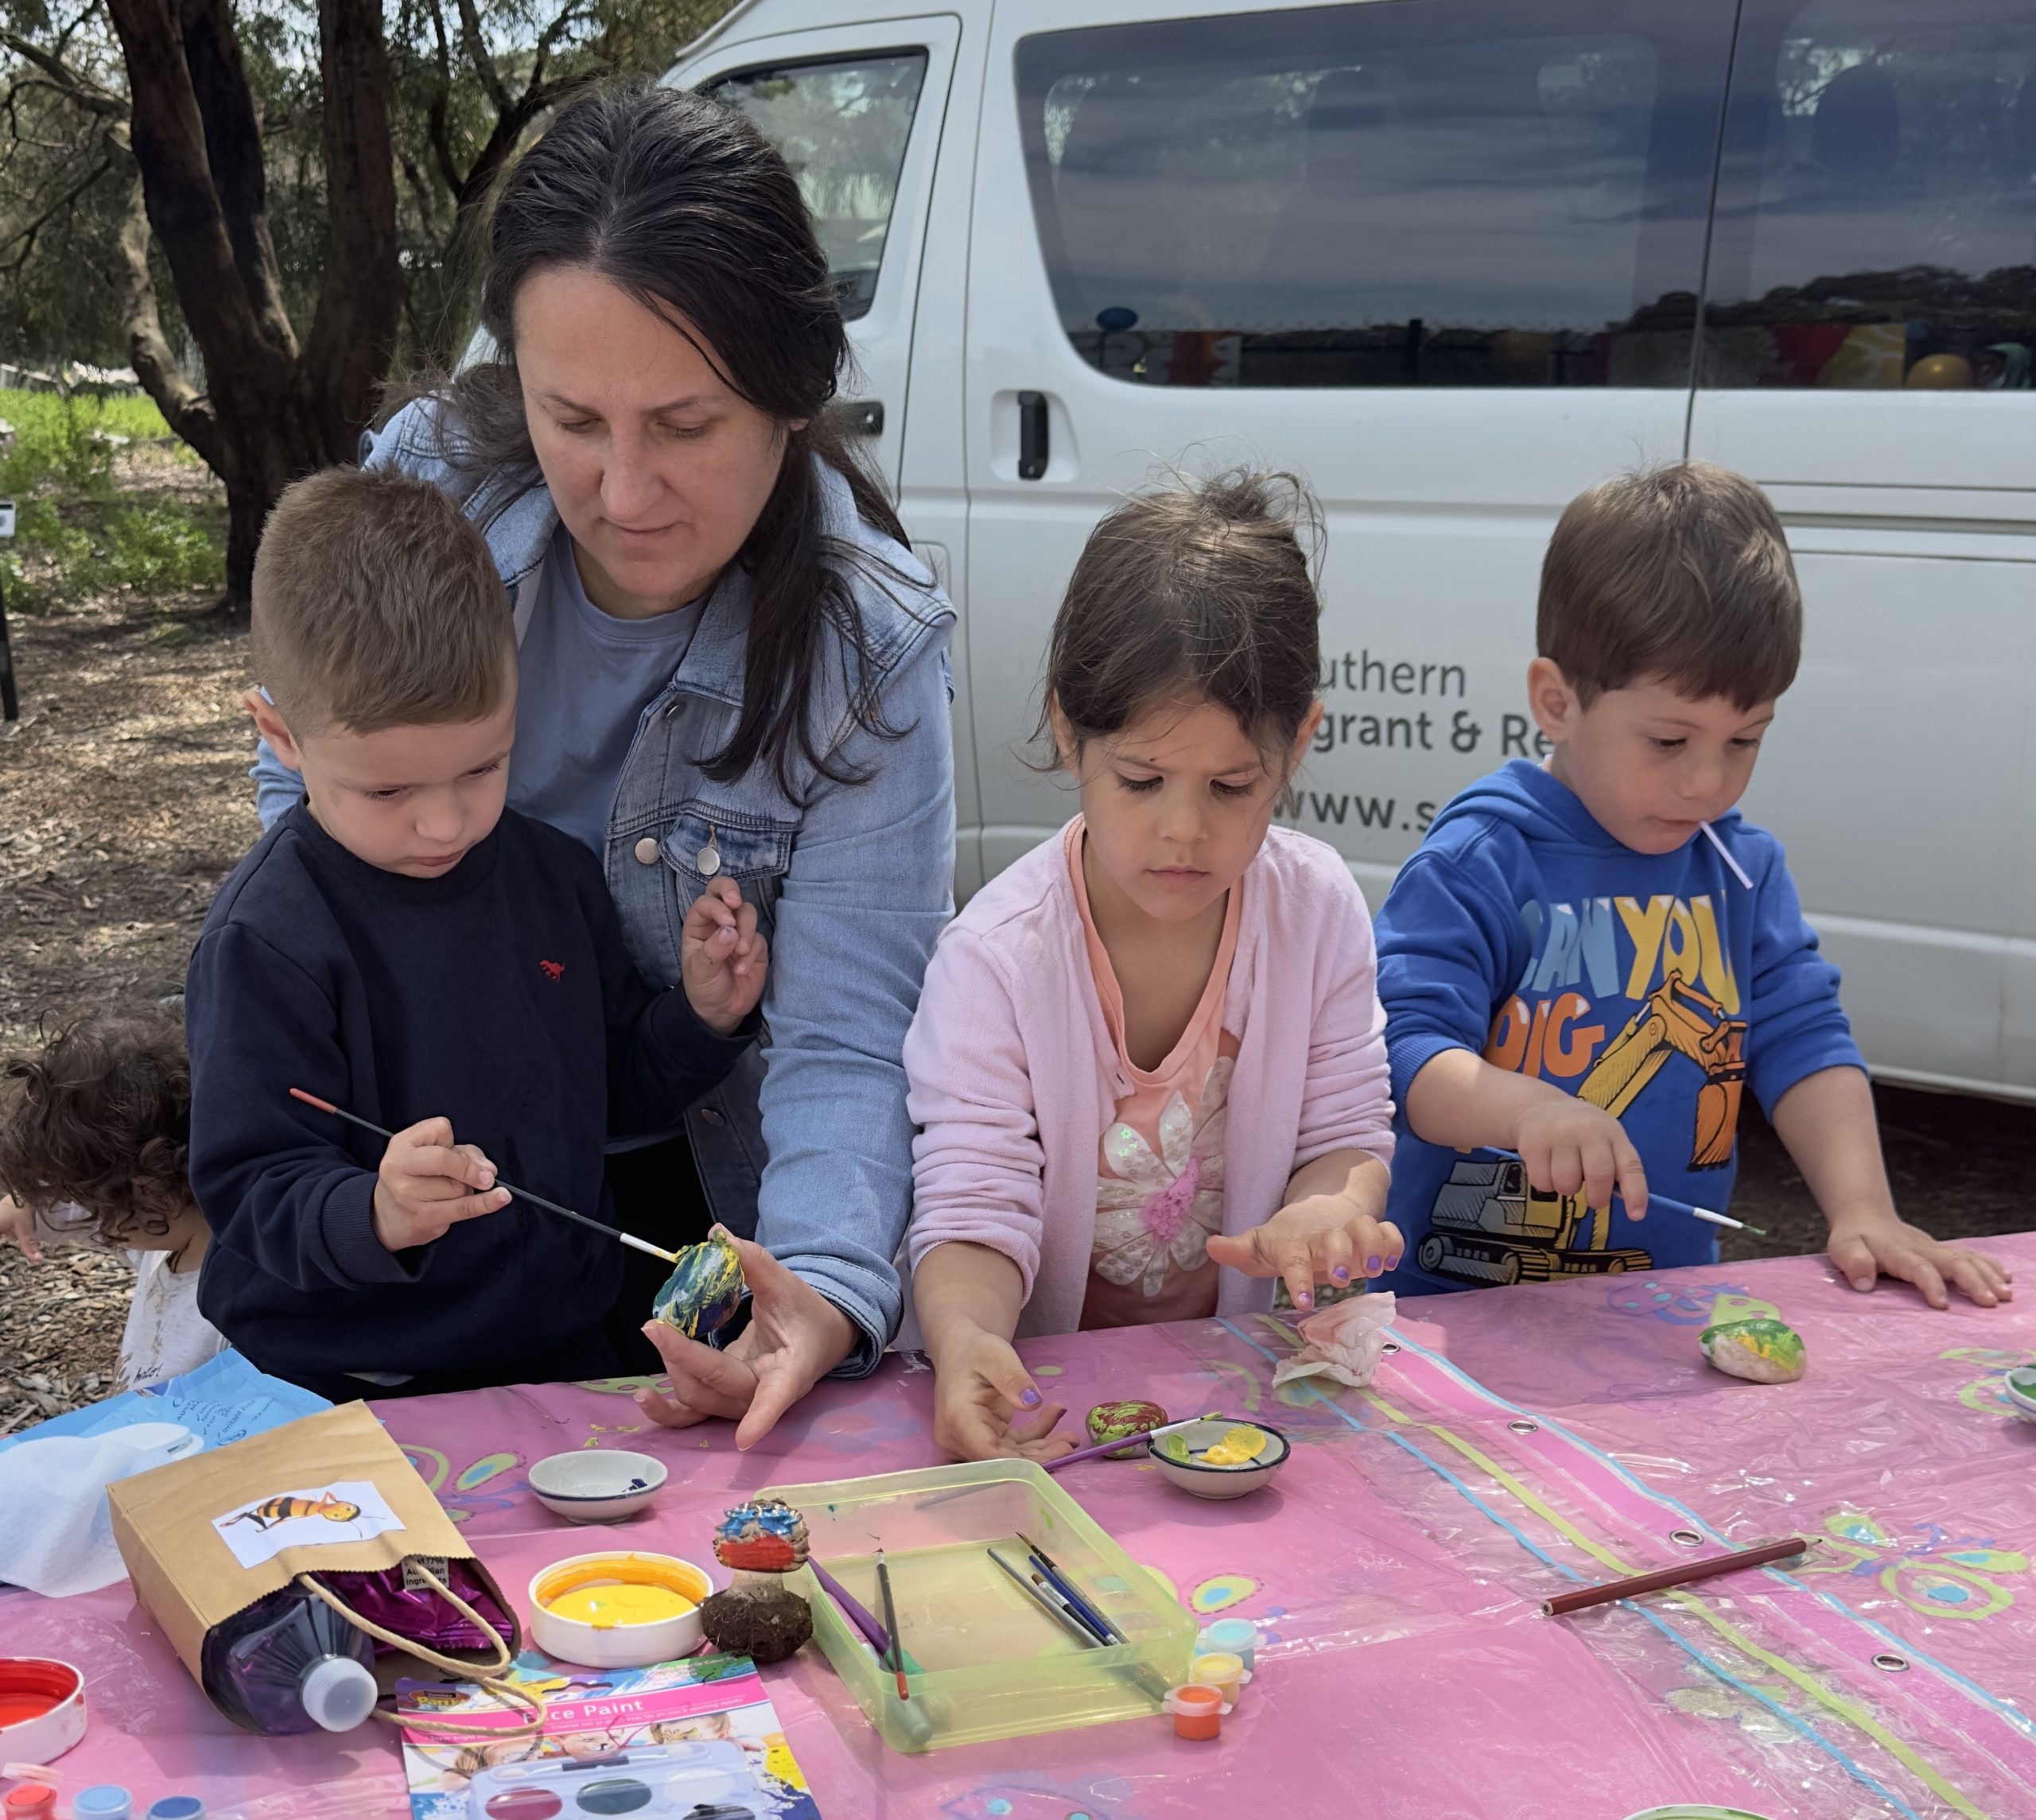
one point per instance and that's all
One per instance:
(500, 995)
(1655, 985)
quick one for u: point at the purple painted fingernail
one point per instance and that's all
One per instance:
(1029, 1397)
(1371, 1267)
(1341, 1273)
(1392, 1263)
(1305, 1299)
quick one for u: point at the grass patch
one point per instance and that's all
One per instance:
(87, 523)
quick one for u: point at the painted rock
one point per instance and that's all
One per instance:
(1112, 1421)
(764, 1536)
(701, 1294)
(1767, 1352)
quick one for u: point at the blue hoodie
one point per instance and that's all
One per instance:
(1655, 985)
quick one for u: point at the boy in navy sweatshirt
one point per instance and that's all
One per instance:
(1588, 962)
(402, 946)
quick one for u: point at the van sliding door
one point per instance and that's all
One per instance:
(1870, 320)
(1440, 258)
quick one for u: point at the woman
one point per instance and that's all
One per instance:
(730, 663)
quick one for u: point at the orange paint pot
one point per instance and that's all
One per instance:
(1197, 1711)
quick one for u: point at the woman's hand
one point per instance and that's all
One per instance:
(1328, 1230)
(1869, 1246)
(722, 959)
(986, 1406)
(794, 1338)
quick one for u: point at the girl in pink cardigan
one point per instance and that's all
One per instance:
(1148, 1065)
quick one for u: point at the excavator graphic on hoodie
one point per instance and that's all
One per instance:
(1489, 1225)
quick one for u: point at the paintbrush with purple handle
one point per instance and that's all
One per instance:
(1144, 1434)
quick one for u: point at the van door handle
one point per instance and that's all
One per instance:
(1032, 435)
(865, 416)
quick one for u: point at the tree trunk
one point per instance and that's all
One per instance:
(272, 411)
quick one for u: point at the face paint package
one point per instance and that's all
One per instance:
(399, 1599)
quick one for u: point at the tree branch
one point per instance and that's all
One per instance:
(74, 85)
(50, 214)
(185, 410)
(477, 49)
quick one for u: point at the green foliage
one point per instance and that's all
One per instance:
(77, 531)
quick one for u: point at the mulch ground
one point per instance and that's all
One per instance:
(125, 801)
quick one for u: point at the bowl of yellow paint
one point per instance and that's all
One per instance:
(618, 1609)
(1220, 1457)
(596, 1485)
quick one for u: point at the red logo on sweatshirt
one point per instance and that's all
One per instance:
(553, 969)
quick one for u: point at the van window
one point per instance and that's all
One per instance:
(1455, 192)
(842, 127)
(1877, 208)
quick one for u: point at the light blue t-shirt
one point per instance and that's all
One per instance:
(585, 679)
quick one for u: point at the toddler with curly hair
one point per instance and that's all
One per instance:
(95, 1135)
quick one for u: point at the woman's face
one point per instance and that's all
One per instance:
(659, 469)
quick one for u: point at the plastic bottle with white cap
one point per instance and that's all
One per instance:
(290, 1663)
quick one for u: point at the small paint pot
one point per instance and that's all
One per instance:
(42, 1707)
(30, 1801)
(596, 1485)
(103, 1801)
(177, 1807)
(672, 1591)
(1197, 1711)
(1230, 1636)
(1224, 1673)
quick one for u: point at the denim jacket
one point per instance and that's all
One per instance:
(806, 1148)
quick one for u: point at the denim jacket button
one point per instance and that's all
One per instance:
(646, 851)
(710, 1116)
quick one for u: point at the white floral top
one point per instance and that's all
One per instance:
(1159, 1180)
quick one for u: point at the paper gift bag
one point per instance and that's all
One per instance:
(204, 1537)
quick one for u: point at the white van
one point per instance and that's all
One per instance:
(1448, 258)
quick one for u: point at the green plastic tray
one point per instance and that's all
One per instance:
(989, 1663)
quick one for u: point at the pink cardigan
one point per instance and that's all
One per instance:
(1013, 1076)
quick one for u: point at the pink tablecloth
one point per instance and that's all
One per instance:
(1519, 1440)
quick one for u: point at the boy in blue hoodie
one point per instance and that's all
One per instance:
(1589, 961)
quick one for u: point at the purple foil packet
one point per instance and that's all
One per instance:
(401, 1601)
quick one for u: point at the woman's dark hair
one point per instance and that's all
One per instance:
(1202, 591)
(681, 202)
(101, 1117)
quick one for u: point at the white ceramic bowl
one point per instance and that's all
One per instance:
(1223, 1481)
(617, 1646)
(596, 1485)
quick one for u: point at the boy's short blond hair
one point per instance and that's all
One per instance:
(1679, 575)
(376, 604)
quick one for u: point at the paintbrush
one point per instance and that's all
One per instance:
(1584, 1597)
(1090, 1615)
(1126, 1439)
(1666, 1203)
(858, 1614)
(629, 1239)
(1050, 1602)
(897, 1662)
